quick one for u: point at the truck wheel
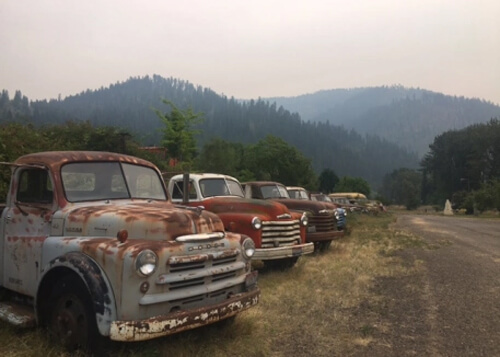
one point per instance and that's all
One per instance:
(282, 264)
(322, 246)
(72, 320)
(226, 322)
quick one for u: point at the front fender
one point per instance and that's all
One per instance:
(96, 281)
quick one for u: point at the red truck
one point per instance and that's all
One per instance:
(91, 247)
(300, 193)
(322, 224)
(278, 233)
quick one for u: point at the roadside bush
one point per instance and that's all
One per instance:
(488, 197)
(484, 199)
(458, 199)
(468, 203)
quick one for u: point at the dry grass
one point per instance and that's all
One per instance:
(308, 310)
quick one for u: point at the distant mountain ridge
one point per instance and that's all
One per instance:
(129, 105)
(409, 117)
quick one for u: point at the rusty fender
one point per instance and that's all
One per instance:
(99, 289)
(184, 320)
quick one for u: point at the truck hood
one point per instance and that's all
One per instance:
(314, 207)
(155, 220)
(270, 209)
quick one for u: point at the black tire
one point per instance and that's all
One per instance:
(71, 319)
(226, 323)
(281, 264)
(320, 247)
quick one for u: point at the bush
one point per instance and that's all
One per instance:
(488, 197)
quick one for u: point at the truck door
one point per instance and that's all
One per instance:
(27, 225)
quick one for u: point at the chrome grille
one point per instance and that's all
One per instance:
(323, 222)
(280, 233)
(188, 281)
(341, 222)
(201, 269)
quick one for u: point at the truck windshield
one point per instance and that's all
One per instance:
(321, 198)
(220, 187)
(298, 194)
(274, 191)
(87, 181)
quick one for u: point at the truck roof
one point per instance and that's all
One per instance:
(55, 159)
(204, 175)
(295, 188)
(349, 195)
(262, 183)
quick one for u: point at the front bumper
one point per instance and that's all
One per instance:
(164, 325)
(288, 251)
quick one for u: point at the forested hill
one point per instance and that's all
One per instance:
(130, 105)
(408, 117)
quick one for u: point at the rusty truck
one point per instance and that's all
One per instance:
(300, 193)
(322, 224)
(92, 249)
(278, 233)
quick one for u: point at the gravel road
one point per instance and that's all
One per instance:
(451, 305)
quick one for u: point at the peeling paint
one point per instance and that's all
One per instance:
(180, 321)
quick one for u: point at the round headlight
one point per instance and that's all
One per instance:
(256, 223)
(248, 248)
(146, 262)
(304, 220)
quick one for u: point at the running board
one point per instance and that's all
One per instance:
(17, 314)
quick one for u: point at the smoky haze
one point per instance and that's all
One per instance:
(252, 49)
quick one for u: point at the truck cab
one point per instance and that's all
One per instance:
(92, 248)
(278, 233)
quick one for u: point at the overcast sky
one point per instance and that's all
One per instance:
(250, 49)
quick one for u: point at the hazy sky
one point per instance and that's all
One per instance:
(250, 49)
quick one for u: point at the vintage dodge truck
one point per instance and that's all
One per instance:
(278, 233)
(91, 247)
(322, 224)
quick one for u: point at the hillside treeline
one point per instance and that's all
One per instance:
(463, 163)
(462, 166)
(269, 159)
(130, 105)
(408, 117)
(17, 139)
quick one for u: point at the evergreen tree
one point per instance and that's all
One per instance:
(274, 159)
(403, 187)
(462, 160)
(327, 180)
(220, 156)
(353, 184)
(178, 132)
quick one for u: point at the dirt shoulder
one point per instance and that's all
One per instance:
(447, 303)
